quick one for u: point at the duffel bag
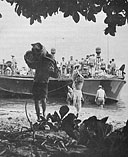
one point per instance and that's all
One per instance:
(30, 59)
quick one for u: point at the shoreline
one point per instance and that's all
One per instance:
(12, 113)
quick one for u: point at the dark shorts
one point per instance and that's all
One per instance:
(39, 90)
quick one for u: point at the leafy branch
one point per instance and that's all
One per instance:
(116, 10)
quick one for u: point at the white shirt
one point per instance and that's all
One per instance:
(113, 65)
(63, 64)
(14, 61)
(100, 93)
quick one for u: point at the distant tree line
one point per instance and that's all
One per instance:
(116, 10)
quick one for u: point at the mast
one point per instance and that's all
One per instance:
(107, 49)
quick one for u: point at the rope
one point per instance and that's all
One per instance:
(6, 90)
(54, 90)
(59, 88)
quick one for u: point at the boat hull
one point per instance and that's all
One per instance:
(12, 86)
(112, 88)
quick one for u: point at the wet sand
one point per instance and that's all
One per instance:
(12, 112)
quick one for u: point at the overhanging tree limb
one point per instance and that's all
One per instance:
(116, 10)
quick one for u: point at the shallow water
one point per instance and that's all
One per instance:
(117, 112)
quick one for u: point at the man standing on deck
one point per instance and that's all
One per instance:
(71, 63)
(45, 68)
(14, 65)
(100, 96)
(113, 67)
(63, 66)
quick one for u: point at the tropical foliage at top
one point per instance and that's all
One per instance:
(116, 10)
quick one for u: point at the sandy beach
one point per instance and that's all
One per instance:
(16, 143)
(12, 113)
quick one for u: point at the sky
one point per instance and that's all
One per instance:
(69, 38)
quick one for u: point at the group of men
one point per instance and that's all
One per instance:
(88, 66)
(112, 67)
(46, 68)
(10, 67)
(67, 68)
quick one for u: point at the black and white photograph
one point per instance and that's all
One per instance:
(63, 78)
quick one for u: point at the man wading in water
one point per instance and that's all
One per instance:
(45, 68)
(100, 96)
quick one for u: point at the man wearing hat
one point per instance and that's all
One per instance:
(100, 96)
(45, 69)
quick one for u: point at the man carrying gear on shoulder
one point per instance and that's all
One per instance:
(45, 68)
